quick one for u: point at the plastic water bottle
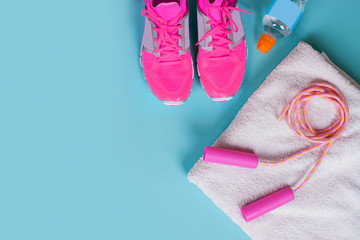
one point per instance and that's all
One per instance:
(279, 22)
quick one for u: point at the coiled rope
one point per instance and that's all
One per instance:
(296, 114)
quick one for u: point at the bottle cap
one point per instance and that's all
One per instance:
(265, 43)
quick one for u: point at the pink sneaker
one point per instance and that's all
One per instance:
(165, 50)
(221, 60)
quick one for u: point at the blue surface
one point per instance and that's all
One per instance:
(87, 152)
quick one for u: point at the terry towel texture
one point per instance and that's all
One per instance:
(328, 207)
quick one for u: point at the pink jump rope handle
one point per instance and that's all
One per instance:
(267, 204)
(248, 160)
(230, 157)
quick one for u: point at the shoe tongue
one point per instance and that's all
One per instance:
(216, 14)
(168, 10)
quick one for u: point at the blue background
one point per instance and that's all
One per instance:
(87, 152)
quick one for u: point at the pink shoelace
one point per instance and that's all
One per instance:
(167, 31)
(296, 114)
(219, 31)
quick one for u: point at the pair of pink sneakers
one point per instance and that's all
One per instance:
(165, 50)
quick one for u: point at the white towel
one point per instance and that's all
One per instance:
(328, 207)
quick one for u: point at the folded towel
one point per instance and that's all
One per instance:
(328, 207)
